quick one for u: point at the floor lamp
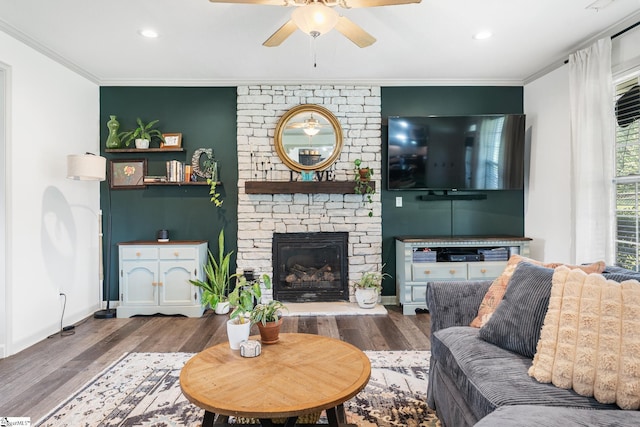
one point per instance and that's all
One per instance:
(90, 167)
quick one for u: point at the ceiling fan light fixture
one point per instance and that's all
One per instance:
(315, 19)
(311, 131)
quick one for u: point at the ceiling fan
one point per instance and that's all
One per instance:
(317, 17)
(310, 126)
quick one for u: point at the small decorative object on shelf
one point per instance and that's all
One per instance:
(171, 140)
(363, 183)
(204, 169)
(127, 173)
(113, 140)
(144, 132)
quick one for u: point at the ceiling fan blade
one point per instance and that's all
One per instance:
(281, 35)
(265, 2)
(375, 3)
(354, 32)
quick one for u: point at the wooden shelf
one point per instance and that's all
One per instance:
(144, 150)
(177, 183)
(301, 187)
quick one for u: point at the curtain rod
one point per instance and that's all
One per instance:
(618, 34)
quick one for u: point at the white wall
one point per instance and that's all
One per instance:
(52, 239)
(548, 206)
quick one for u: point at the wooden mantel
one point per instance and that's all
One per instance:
(301, 187)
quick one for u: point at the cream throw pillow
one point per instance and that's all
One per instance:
(590, 339)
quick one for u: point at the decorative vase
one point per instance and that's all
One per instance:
(366, 297)
(142, 143)
(222, 307)
(270, 331)
(364, 175)
(113, 141)
(237, 332)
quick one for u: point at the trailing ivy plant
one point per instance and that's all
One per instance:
(363, 183)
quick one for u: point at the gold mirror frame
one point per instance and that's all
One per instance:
(297, 116)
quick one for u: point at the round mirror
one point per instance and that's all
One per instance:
(308, 138)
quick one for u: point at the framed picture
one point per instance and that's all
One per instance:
(171, 140)
(125, 174)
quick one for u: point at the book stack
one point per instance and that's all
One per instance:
(175, 171)
(495, 254)
(152, 178)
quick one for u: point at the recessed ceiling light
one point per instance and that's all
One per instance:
(482, 35)
(148, 33)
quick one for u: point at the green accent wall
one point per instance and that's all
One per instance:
(206, 117)
(501, 213)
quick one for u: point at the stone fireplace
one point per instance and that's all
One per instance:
(310, 267)
(260, 216)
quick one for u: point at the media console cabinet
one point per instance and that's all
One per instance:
(425, 259)
(154, 277)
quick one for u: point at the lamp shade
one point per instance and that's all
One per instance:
(86, 167)
(315, 18)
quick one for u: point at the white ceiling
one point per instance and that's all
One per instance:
(203, 43)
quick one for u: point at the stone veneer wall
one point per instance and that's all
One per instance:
(259, 216)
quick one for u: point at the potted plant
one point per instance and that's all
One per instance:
(242, 300)
(216, 286)
(363, 183)
(142, 134)
(367, 289)
(268, 317)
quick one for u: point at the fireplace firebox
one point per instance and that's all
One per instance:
(310, 267)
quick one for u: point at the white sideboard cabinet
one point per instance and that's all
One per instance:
(421, 260)
(154, 277)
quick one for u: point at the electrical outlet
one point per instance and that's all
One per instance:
(399, 202)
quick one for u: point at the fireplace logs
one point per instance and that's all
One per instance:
(300, 273)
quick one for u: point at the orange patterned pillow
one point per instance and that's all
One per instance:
(497, 289)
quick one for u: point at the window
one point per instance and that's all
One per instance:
(627, 181)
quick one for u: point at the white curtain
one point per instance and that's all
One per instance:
(592, 145)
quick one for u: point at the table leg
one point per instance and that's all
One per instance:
(208, 419)
(336, 416)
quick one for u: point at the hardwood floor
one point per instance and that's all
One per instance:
(35, 380)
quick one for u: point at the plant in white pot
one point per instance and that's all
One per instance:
(242, 299)
(142, 135)
(367, 289)
(215, 288)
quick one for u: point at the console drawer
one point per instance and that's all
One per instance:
(439, 271)
(139, 252)
(486, 270)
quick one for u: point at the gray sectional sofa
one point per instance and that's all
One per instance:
(475, 382)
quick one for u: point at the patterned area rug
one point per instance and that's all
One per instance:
(143, 389)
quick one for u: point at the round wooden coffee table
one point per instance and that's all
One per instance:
(301, 374)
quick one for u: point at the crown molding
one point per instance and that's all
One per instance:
(51, 54)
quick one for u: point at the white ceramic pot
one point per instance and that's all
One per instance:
(142, 143)
(366, 297)
(222, 307)
(237, 332)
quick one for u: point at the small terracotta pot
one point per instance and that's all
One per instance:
(364, 175)
(270, 332)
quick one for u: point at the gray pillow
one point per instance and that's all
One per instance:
(518, 319)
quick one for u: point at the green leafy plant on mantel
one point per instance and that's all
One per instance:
(363, 183)
(141, 132)
(217, 276)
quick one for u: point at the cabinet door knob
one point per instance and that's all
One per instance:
(137, 254)
(427, 272)
(176, 253)
(483, 270)
(154, 283)
(159, 283)
(452, 271)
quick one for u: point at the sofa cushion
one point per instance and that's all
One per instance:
(537, 416)
(590, 339)
(516, 323)
(496, 291)
(489, 377)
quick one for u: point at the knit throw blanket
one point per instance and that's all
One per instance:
(590, 340)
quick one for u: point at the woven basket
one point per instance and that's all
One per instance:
(310, 418)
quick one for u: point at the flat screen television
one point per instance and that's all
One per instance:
(484, 152)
